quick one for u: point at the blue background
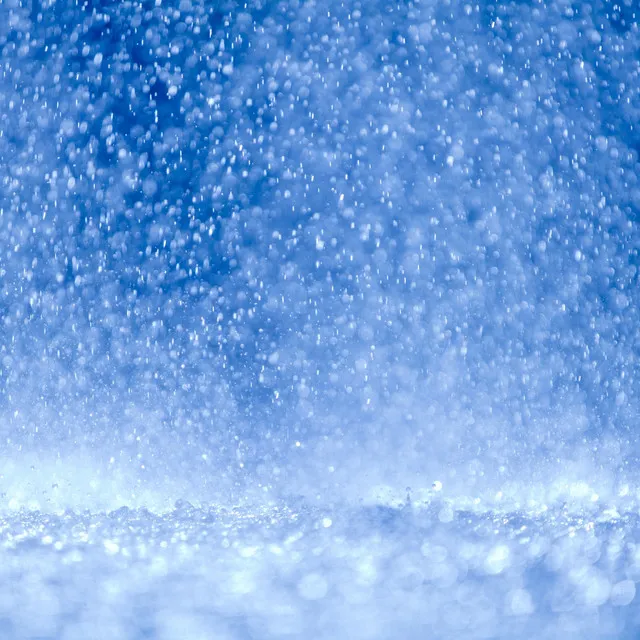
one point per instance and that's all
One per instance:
(397, 238)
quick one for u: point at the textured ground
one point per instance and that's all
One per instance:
(294, 572)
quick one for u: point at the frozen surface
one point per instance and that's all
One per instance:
(367, 270)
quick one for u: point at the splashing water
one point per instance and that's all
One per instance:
(357, 280)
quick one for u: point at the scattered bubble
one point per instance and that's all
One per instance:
(497, 560)
(313, 586)
(622, 593)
